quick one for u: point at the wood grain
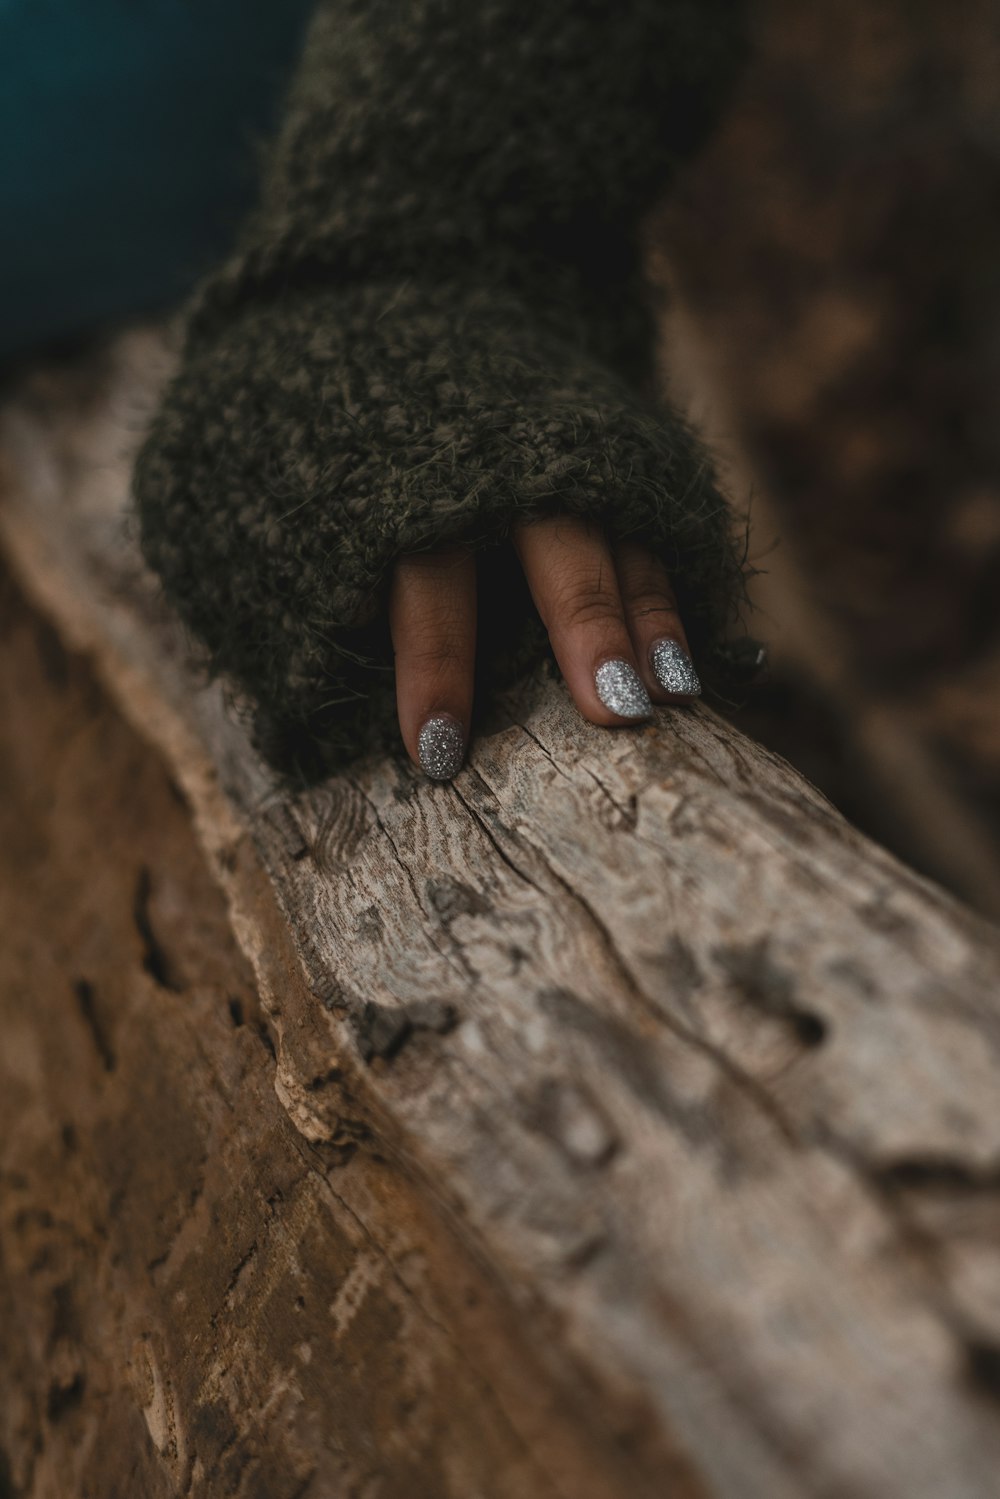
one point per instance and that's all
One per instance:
(703, 1084)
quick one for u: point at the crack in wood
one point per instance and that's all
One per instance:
(155, 959)
(453, 954)
(86, 1000)
(939, 1175)
(771, 988)
(383, 1030)
(742, 1080)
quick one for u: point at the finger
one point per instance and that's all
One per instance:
(654, 624)
(572, 577)
(432, 617)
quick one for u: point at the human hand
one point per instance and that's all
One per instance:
(608, 608)
(433, 334)
(325, 468)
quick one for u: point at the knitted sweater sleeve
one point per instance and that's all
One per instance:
(432, 326)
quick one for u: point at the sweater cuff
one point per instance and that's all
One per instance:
(320, 435)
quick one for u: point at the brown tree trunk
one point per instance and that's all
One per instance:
(615, 1121)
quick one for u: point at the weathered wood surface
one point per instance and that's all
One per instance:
(700, 1087)
(194, 1299)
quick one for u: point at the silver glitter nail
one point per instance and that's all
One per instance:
(674, 668)
(620, 688)
(441, 747)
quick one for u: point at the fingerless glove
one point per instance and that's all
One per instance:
(433, 326)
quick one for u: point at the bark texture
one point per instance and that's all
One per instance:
(614, 1121)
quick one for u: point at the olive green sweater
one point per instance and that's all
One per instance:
(434, 325)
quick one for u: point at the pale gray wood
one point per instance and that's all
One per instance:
(706, 1080)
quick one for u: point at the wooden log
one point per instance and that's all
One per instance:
(635, 1123)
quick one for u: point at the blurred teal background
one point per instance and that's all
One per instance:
(129, 140)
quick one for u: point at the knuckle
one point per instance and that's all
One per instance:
(649, 603)
(590, 598)
(595, 606)
(441, 655)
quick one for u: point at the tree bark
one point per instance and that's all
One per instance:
(613, 1121)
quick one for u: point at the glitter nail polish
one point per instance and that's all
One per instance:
(620, 688)
(441, 747)
(674, 668)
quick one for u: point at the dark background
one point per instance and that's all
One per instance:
(833, 259)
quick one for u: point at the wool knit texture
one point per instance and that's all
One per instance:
(433, 326)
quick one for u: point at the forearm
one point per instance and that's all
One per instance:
(516, 141)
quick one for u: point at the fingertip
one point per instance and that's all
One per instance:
(441, 746)
(621, 689)
(673, 668)
(433, 626)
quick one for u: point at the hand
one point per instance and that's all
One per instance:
(376, 438)
(609, 611)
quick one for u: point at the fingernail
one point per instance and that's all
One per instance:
(620, 688)
(674, 669)
(441, 747)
